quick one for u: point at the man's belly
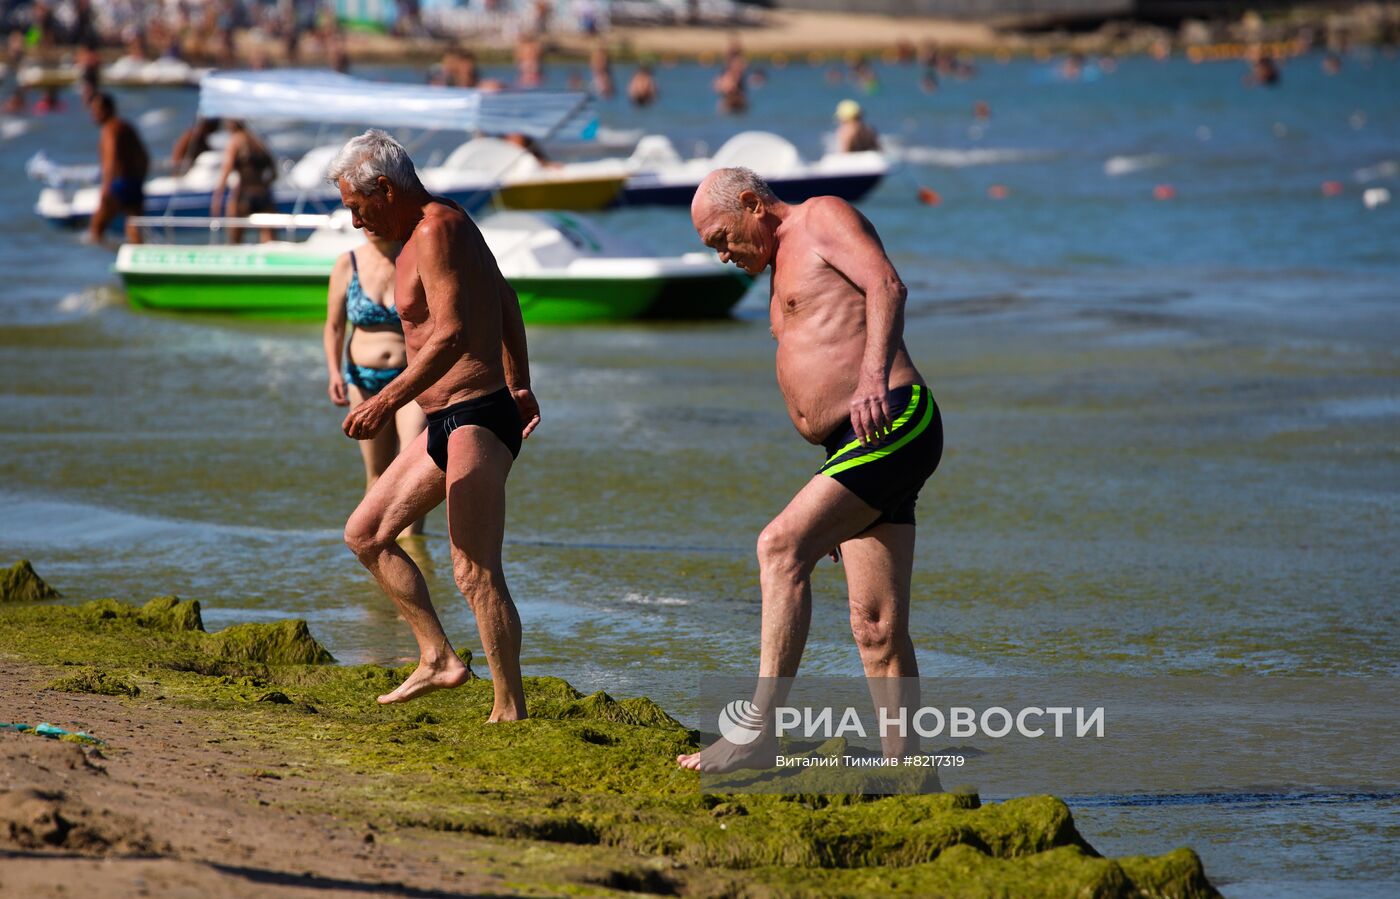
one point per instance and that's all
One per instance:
(817, 388)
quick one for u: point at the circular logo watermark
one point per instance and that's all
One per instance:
(740, 722)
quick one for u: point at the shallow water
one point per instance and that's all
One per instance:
(1171, 426)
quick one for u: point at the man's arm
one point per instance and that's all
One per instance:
(442, 275)
(107, 156)
(216, 201)
(515, 359)
(849, 244)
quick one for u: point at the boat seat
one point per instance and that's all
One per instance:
(762, 151)
(310, 171)
(493, 157)
(653, 151)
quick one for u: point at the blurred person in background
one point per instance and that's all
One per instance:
(125, 163)
(193, 141)
(853, 133)
(247, 155)
(733, 99)
(600, 63)
(642, 90)
(362, 293)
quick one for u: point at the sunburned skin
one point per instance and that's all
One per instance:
(446, 231)
(836, 310)
(464, 339)
(825, 258)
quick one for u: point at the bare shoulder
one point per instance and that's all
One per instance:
(442, 223)
(342, 264)
(833, 213)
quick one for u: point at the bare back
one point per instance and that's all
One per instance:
(818, 312)
(124, 151)
(447, 253)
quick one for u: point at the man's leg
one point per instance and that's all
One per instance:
(879, 566)
(816, 521)
(410, 488)
(409, 422)
(133, 231)
(477, 467)
(102, 217)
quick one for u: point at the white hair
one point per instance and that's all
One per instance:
(367, 158)
(727, 184)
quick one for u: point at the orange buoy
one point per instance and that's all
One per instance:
(1332, 188)
(998, 192)
(1163, 192)
(929, 197)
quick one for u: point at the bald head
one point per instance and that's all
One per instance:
(736, 214)
(723, 189)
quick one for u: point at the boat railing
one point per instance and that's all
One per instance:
(217, 226)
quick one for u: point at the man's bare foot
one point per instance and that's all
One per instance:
(507, 714)
(429, 678)
(722, 756)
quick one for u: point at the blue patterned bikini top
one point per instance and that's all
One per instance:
(360, 309)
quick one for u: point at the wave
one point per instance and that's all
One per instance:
(958, 158)
(40, 522)
(1116, 166)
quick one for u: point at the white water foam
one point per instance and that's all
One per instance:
(37, 522)
(958, 158)
(1117, 166)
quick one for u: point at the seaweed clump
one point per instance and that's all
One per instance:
(20, 583)
(591, 780)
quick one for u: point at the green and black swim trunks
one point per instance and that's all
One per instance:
(887, 477)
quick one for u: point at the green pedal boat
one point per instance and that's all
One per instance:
(563, 269)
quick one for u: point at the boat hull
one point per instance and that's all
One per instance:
(850, 187)
(196, 205)
(582, 195)
(291, 287)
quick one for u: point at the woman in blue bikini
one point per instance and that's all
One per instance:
(362, 292)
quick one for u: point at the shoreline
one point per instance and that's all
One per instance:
(247, 757)
(796, 36)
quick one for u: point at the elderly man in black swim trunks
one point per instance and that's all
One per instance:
(837, 312)
(469, 370)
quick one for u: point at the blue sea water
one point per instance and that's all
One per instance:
(1173, 425)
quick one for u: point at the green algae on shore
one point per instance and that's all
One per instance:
(593, 776)
(19, 583)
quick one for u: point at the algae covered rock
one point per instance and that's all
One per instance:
(164, 613)
(96, 682)
(278, 643)
(19, 583)
(170, 613)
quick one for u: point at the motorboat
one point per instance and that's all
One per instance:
(522, 181)
(563, 268)
(329, 98)
(660, 177)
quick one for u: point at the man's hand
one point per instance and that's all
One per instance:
(367, 419)
(529, 409)
(336, 390)
(870, 410)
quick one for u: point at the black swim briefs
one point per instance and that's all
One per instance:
(887, 476)
(496, 412)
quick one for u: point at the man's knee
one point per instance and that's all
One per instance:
(873, 628)
(365, 536)
(474, 579)
(780, 552)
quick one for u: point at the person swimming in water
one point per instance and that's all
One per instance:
(361, 292)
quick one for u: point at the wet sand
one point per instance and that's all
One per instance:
(230, 766)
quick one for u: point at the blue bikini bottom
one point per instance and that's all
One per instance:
(370, 380)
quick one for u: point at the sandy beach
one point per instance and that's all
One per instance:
(229, 766)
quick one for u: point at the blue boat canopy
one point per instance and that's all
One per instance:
(333, 98)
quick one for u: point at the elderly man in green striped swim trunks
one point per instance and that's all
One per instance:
(837, 313)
